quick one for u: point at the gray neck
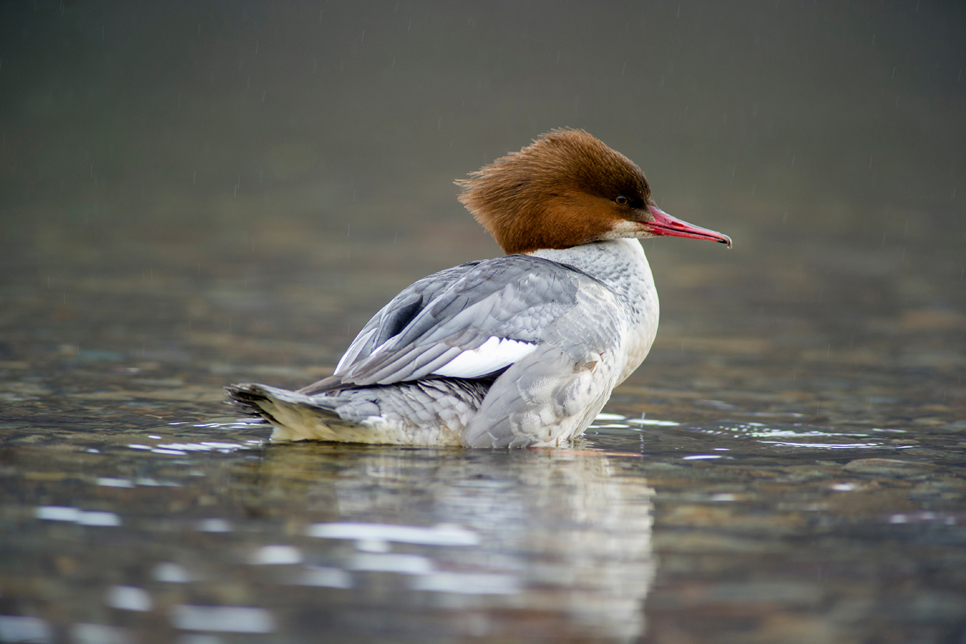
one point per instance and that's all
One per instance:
(620, 264)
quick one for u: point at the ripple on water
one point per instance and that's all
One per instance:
(794, 435)
(130, 598)
(172, 573)
(223, 619)
(324, 577)
(184, 448)
(97, 634)
(17, 628)
(440, 535)
(75, 515)
(213, 525)
(800, 435)
(945, 518)
(467, 583)
(276, 555)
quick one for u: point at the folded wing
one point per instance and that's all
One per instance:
(471, 321)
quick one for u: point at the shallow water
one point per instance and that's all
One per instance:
(179, 212)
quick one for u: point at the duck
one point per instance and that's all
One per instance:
(521, 350)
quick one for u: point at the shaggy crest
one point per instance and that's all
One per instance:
(520, 198)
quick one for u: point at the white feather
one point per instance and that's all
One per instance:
(493, 355)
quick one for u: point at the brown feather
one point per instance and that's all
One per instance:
(558, 192)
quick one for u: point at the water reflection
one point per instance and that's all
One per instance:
(293, 541)
(545, 541)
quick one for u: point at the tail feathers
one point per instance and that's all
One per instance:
(295, 416)
(426, 413)
(253, 399)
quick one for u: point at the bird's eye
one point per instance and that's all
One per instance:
(621, 199)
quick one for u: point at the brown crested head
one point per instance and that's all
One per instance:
(565, 189)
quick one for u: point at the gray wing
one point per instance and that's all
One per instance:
(393, 318)
(552, 394)
(491, 312)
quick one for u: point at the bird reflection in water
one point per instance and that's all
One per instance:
(541, 543)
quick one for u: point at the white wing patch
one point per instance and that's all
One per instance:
(493, 355)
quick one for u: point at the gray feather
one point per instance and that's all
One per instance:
(458, 310)
(553, 393)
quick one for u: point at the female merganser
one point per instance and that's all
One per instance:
(515, 351)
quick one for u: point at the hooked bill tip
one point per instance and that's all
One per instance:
(664, 224)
